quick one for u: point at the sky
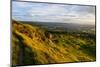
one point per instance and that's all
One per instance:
(47, 12)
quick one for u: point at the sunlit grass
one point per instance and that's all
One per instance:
(42, 47)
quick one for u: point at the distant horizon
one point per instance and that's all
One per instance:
(50, 22)
(54, 13)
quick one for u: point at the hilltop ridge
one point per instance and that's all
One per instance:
(33, 45)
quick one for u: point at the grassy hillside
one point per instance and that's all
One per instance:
(34, 45)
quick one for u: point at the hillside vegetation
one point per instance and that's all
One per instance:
(33, 45)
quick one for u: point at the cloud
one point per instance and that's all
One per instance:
(44, 12)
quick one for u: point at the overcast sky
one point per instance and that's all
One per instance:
(44, 12)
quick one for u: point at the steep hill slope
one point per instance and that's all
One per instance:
(34, 45)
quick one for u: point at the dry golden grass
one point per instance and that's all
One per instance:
(43, 49)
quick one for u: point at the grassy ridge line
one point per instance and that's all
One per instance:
(32, 44)
(43, 47)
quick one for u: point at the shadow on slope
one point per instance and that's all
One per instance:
(33, 45)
